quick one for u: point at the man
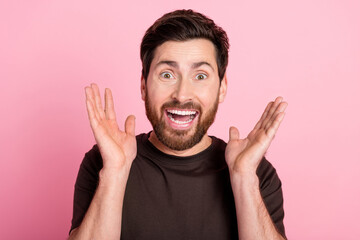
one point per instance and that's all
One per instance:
(176, 182)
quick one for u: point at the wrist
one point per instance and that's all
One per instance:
(244, 180)
(111, 176)
(244, 167)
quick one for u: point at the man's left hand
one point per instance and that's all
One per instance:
(244, 155)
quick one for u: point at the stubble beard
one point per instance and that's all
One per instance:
(177, 139)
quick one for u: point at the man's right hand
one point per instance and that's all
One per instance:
(117, 148)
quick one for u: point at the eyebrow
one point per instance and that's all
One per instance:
(170, 63)
(199, 64)
(176, 65)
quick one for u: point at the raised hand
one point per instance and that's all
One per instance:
(117, 148)
(244, 155)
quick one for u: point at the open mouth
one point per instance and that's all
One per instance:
(181, 117)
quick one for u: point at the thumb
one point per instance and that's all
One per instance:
(233, 133)
(130, 125)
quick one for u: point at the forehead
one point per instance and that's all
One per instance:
(186, 52)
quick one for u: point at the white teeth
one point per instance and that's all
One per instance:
(192, 115)
(183, 113)
(180, 122)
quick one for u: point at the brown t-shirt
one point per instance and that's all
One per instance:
(171, 197)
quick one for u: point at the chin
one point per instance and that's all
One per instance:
(179, 140)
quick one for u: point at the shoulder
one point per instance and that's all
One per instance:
(218, 144)
(142, 139)
(265, 168)
(271, 192)
(91, 164)
(268, 177)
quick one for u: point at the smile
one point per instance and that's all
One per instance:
(181, 117)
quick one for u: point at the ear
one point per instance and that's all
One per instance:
(143, 88)
(223, 89)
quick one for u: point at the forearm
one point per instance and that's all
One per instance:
(254, 221)
(103, 218)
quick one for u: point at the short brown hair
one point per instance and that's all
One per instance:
(182, 25)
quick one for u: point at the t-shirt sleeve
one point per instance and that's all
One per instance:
(86, 184)
(271, 192)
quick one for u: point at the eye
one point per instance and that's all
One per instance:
(166, 75)
(201, 76)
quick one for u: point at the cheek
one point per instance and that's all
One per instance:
(208, 97)
(156, 98)
(158, 92)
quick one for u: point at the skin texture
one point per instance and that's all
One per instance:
(243, 157)
(118, 150)
(175, 76)
(185, 84)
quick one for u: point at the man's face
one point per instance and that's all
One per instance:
(182, 92)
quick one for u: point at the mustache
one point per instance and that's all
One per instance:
(176, 104)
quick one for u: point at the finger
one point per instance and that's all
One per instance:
(233, 134)
(109, 105)
(91, 114)
(265, 113)
(97, 97)
(271, 131)
(90, 97)
(271, 112)
(281, 108)
(130, 125)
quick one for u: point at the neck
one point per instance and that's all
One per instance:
(200, 146)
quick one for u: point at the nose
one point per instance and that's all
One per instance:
(183, 91)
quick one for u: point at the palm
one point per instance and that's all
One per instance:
(245, 154)
(117, 148)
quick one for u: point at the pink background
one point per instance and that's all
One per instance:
(307, 51)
